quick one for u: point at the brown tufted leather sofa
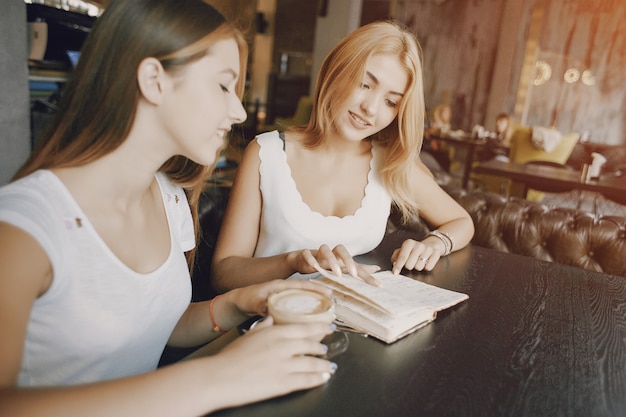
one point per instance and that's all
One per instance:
(556, 232)
(562, 235)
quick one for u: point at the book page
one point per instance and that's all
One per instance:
(370, 320)
(399, 295)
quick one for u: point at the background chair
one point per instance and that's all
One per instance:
(300, 116)
(523, 151)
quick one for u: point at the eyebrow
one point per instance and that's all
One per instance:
(373, 77)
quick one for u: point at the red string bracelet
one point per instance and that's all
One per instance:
(216, 327)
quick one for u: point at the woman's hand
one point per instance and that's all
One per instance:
(271, 360)
(338, 261)
(416, 255)
(253, 299)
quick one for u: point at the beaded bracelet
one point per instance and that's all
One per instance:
(216, 327)
(447, 241)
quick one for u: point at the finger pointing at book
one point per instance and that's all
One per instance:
(414, 255)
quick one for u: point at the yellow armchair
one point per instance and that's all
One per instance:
(524, 151)
(300, 117)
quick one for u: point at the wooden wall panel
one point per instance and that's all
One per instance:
(460, 43)
(459, 39)
(583, 35)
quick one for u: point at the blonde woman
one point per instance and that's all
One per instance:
(316, 195)
(95, 227)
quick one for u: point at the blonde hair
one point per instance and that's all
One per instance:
(342, 71)
(99, 103)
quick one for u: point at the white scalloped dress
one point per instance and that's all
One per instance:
(287, 222)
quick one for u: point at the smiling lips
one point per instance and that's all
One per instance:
(359, 121)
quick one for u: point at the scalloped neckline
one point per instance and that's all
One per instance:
(300, 201)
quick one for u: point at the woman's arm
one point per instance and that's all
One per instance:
(25, 274)
(240, 374)
(233, 264)
(445, 215)
(229, 310)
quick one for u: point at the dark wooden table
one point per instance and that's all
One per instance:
(534, 339)
(554, 179)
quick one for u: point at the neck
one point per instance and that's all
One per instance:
(122, 177)
(337, 144)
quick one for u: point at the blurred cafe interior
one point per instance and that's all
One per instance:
(553, 69)
(525, 128)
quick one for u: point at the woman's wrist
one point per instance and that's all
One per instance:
(291, 260)
(224, 312)
(214, 325)
(445, 239)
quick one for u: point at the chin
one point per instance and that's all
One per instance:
(355, 135)
(352, 133)
(208, 158)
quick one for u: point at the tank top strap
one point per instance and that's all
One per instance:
(281, 135)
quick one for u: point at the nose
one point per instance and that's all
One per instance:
(370, 104)
(237, 112)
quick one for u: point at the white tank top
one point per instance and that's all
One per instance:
(99, 319)
(287, 222)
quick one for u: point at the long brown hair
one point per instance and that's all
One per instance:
(99, 103)
(342, 71)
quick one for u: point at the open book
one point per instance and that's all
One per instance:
(398, 308)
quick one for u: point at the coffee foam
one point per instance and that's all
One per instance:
(300, 303)
(300, 306)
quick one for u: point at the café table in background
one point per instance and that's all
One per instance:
(534, 338)
(553, 179)
(463, 140)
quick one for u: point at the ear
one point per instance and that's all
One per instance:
(151, 77)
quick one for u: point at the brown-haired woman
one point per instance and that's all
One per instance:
(95, 228)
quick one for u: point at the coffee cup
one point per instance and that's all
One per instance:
(300, 306)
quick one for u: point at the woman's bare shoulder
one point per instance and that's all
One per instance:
(295, 138)
(21, 256)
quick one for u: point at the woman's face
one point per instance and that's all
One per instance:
(203, 105)
(502, 124)
(375, 103)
